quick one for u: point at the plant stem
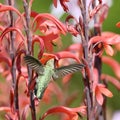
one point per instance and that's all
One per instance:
(88, 78)
(12, 55)
(29, 52)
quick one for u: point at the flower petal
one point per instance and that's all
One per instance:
(98, 95)
(109, 50)
(105, 91)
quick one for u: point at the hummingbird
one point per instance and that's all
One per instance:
(48, 72)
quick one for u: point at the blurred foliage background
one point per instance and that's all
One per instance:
(43, 6)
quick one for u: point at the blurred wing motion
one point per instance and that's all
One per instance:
(62, 71)
(43, 80)
(34, 64)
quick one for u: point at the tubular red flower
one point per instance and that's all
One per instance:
(71, 112)
(59, 24)
(113, 64)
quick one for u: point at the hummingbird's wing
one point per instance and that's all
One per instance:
(34, 64)
(62, 71)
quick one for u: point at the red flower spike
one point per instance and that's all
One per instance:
(113, 64)
(8, 8)
(71, 112)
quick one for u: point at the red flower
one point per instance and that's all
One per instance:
(105, 41)
(101, 90)
(113, 64)
(70, 112)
